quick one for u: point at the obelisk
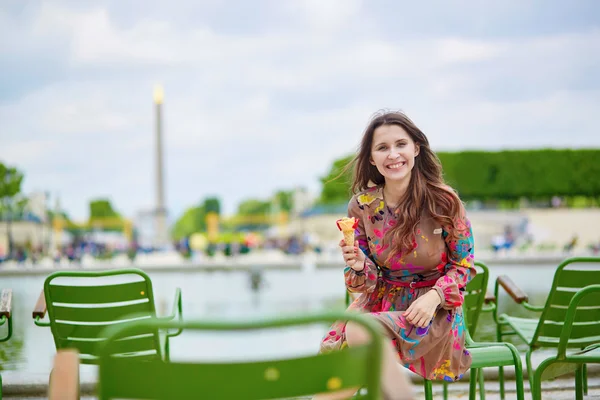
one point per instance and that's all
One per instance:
(161, 234)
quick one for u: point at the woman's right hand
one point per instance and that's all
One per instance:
(353, 256)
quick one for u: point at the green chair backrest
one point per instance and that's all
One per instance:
(474, 296)
(588, 295)
(126, 378)
(571, 275)
(82, 304)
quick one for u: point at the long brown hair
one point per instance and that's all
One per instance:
(426, 191)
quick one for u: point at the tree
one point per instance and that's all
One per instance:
(194, 218)
(212, 204)
(102, 208)
(336, 184)
(254, 207)
(104, 216)
(285, 200)
(10, 183)
(10, 187)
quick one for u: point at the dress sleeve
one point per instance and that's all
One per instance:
(365, 280)
(459, 268)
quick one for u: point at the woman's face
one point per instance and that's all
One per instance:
(393, 152)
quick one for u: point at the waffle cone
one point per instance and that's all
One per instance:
(349, 237)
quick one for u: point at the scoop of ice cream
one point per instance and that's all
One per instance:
(347, 224)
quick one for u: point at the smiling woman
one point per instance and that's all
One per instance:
(413, 255)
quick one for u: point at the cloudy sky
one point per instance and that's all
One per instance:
(264, 95)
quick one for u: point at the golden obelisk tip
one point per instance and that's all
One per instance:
(158, 94)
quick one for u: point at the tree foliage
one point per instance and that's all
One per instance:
(285, 199)
(254, 207)
(212, 204)
(194, 218)
(336, 184)
(10, 182)
(12, 201)
(102, 208)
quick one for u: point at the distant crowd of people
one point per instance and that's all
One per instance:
(290, 245)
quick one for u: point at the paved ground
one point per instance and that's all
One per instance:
(562, 389)
(555, 390)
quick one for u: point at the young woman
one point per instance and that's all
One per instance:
(413, 255)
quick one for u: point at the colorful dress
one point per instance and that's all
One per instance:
(438, 350)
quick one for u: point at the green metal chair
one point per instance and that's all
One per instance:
(490, 354)
(81, 304)
(5, 318)
(126, 377)
(476, 300)
(483, 354)
(570, 319)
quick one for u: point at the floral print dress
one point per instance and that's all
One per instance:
(438, 350)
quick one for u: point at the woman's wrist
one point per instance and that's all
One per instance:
(361, 266)
(436, 296)
(439, 294)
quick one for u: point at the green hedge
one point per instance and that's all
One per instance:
(502, 175)
(527, 173)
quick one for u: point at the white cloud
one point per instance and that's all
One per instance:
(326, 16)
(463, 51)
(249, 113)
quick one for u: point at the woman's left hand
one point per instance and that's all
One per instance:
(420, 313)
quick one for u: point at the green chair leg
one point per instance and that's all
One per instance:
(530, 371)
(481, 384)
(585, 383)
(445, 390)
(536, 386)
(428, 389)
(500, 369)
(0, 387)
(518, 371)
(579, 383)
(501, 381)
(535, 379)
(473, 384)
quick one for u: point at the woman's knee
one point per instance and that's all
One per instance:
(356, 334)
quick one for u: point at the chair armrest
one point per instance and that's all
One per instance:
(512, 289)
(39, 311)
(176, 312)
(64, 377)
(489, 303)
(5, 303)
(177, 305)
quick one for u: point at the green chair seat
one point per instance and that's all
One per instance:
(494, 354)
(523, 327)
(590, 352)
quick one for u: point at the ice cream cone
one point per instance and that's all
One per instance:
(349, 237)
